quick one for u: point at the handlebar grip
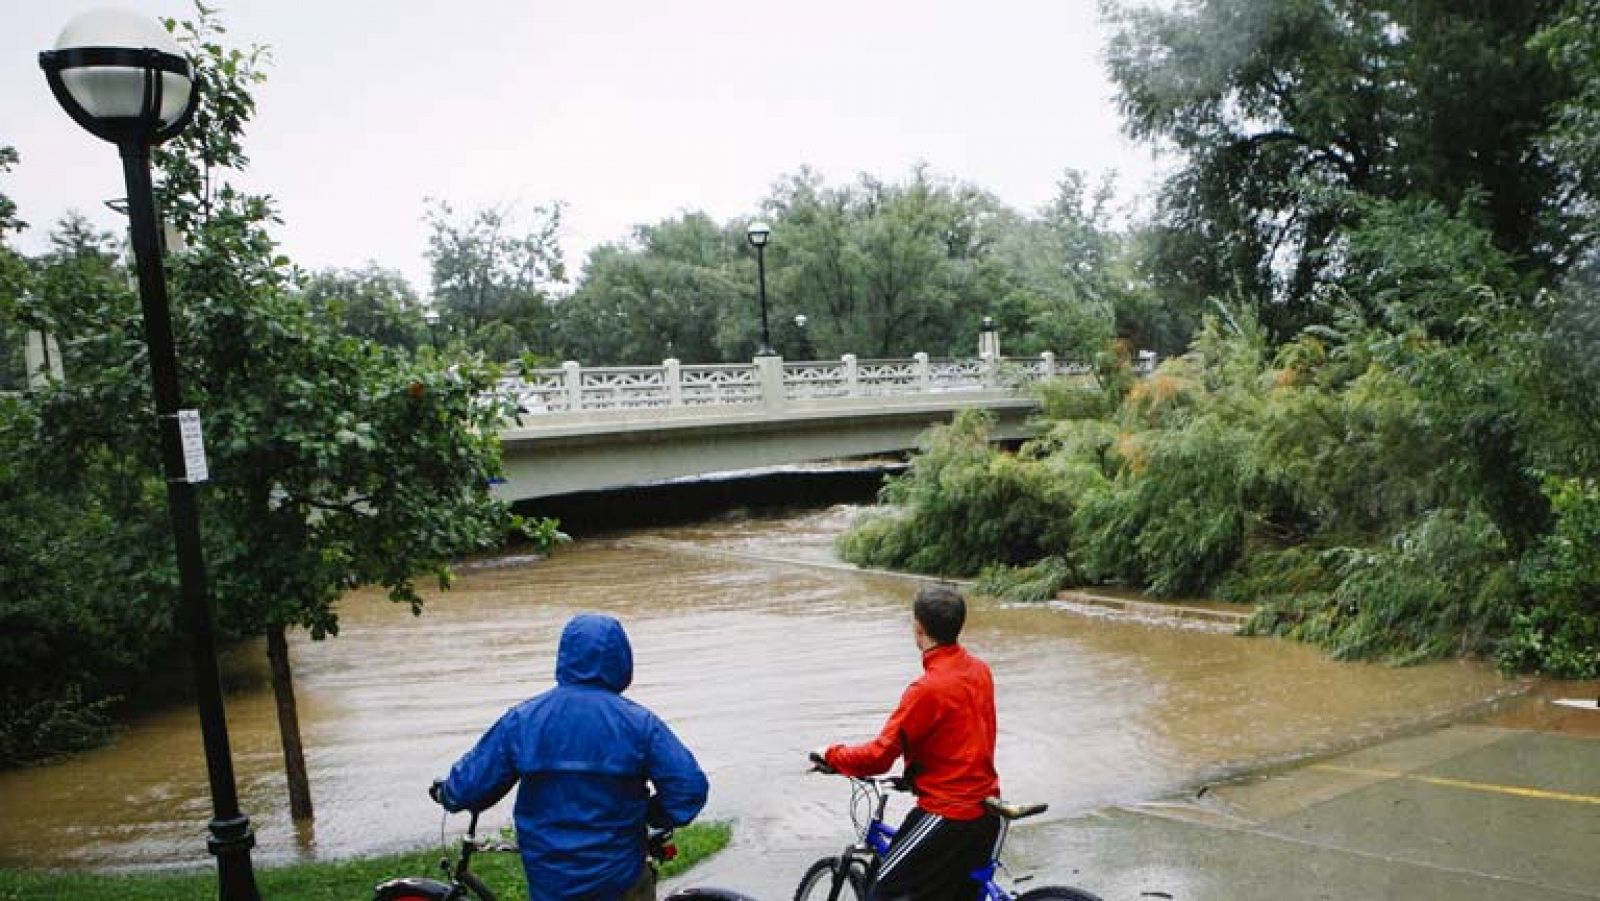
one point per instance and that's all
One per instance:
(436, 792)
(819, 764)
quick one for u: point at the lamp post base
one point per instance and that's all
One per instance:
(230, 843)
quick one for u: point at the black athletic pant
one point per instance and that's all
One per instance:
(932, 858)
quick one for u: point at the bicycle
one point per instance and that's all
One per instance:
(856, 866)
(460, 883)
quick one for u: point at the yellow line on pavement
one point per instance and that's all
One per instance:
(1462, 783)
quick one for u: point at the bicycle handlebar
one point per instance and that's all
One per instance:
(897, 783)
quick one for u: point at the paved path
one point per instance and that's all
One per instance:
(1467, 812)
(1463, 813)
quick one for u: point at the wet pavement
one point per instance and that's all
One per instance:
(1463, 812)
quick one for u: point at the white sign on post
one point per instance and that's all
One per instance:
(194, 447)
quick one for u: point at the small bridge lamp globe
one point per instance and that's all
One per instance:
(431, 317)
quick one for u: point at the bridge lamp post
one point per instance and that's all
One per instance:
(804, 349)
(432, 318)
(989, 339)
(124, 79)
(757, 234)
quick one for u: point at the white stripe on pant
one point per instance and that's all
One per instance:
(898, 853)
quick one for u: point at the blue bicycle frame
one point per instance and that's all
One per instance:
(878, 836)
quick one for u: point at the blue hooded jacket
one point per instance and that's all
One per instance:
(584, 755)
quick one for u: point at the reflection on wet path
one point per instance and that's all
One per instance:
(753, 664)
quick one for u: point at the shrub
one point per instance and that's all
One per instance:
(1444, 585)
(1558, 631)
(962, 505)
(40, 728)
(1028, 584)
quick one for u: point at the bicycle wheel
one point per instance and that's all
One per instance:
(817, 883)
(1057, 893)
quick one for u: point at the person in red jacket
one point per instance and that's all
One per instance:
(945, 730)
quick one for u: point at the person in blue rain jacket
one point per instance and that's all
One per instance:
(587, 758)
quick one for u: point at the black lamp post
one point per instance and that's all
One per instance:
(757, 233)
(124, 79)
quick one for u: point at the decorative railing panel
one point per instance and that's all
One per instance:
(808, 381)
(623, 387)
(887, 377)
(959, 374)
(715, 385)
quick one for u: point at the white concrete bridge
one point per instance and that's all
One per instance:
(582, 429)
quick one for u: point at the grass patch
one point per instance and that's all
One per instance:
(323, 881)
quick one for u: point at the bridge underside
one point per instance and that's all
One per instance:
(600, 451)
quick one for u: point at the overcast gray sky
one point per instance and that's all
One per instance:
(629, 111)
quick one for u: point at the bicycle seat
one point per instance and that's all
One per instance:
(1013, 811)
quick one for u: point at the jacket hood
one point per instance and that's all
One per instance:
(595, 651)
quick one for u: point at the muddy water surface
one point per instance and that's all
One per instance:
(753, 663)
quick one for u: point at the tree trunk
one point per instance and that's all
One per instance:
(294, 758)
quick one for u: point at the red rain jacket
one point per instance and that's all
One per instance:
(944, 727)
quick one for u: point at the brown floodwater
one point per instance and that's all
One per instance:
(753, 660)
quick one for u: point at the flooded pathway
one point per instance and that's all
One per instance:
(753, 662)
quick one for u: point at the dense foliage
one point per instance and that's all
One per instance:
(1385, 434)
(493, 277)
(372, 303)
(1267, 102)
(873, 267)
(1378, 491)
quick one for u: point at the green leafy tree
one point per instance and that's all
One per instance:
(668, 293)
(876, 268)
(372, 302)
(1072, 285)
(883, 269)
(1268, 101)
(1572, 43)
(492, 279)
(335, 462)
(85, 577)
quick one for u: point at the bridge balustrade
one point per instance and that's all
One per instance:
(768, 383)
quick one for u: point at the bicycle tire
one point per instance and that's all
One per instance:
(1057, 893)
(471, 881)
(820, 876)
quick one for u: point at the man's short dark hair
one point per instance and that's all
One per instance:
(941, 611)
